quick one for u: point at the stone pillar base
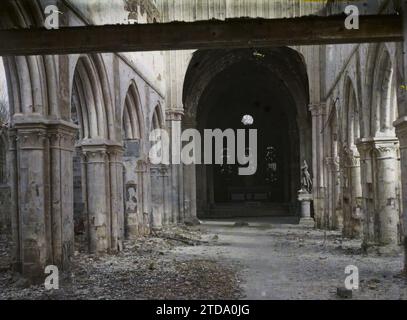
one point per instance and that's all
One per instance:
(382, 250)
(307, 222)
(305, 199)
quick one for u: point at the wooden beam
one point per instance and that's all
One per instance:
(211, 34)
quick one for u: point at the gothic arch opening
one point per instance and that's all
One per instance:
(135, 182)
(158, 174)
(384, 111)
(352, 187)
(332, 166)
(265, 90)
(97, 158)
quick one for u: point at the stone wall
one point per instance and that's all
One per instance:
(5, 209)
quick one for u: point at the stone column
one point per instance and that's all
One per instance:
(33, 200)
(365, 148)
(42, 205)
(144, 196)
(401, 132)
(62, 141)
(157, 200)
(98, 198)
(167, 196)
(318, 111)
(14, 210)
(115, 157)
(329, 210)
(380, 190)
(189, 175)
(338, 194)
(387, 202)
(334, 193)
(173, 121)
(353, 197)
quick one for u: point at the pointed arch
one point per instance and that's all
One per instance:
(157, 120)
(351, 116)
(92, 106)
(133, 118)
(33, 85)
(384, 95)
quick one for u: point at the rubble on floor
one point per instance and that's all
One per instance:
(145, 269)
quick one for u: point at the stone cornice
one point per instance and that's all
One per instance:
(99, 142)
(35, 120)
(32, 139)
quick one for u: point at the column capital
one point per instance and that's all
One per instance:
(175, 114)
(33, 131)
(95, 156)
(364, 147)
(31, 138)
(115, 153)
(386, 149)
(94, 152)
(62, 140)
(352, 157)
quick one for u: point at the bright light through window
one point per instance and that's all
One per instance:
(247, 120)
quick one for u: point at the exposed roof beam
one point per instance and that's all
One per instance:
(232, 33)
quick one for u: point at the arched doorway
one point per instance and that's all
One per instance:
(266, 90)
(97, 165)
(134, 165)
(352, 187)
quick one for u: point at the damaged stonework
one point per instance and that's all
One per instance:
(5, 222)
(35, 243)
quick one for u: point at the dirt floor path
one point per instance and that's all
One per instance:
(284, 261)
(268, 259)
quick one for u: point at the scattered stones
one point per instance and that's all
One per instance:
(145, 269)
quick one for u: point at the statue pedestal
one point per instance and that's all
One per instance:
(305, 199)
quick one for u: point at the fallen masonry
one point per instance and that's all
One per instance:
(147, 268)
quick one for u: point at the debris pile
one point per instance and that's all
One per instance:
(147, 268)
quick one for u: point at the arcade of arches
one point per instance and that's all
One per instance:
(74, 155)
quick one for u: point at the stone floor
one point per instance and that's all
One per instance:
(260, 259)
(285, 261)
(147, 269)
